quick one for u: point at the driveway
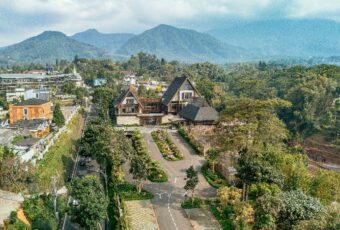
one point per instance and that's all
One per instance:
(169, 195)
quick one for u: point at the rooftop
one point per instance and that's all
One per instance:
(31, 101)
(199, 112)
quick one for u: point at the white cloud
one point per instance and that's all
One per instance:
(28, 17)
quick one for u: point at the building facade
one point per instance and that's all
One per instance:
(129, 109)
(31, 109)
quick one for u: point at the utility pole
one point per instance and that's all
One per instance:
(55, 195)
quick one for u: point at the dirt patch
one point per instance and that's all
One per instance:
(321, 153)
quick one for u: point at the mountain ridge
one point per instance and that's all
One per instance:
(46, 47)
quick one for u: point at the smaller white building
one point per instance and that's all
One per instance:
(40, 93)
(16, 95)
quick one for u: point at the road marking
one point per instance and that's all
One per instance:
(160, 194)
(172, 218)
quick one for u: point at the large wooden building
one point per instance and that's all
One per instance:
(130, 109)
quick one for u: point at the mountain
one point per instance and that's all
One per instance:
(108, 42)
(46, 48)
(185, 45)
(292, 38)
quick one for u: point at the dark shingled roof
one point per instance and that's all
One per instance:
(173, 88)
(121, 97)
(194, 112)
(32, 101)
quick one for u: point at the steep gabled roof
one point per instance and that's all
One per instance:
(124, 94)
(195, 112)
(32, 101)
(173, 88)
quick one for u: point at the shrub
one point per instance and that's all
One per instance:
(129, 192)
(155, 172)
(215, 179)
(189, 203)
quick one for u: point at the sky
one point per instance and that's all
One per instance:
(20, 19)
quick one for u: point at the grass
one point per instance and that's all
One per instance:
(129, 192)
(16, 139)
(59, 160)
(215, 179)
(166, 146)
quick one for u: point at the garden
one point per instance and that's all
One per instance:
(154, 170)
(166, 146)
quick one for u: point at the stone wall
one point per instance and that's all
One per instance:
(127, 120)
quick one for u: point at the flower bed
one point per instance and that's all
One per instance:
(165, 145)
(155, 172)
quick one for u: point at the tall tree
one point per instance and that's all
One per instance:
(91, 199)
(191, 181)
(139, 172)
(58, 117)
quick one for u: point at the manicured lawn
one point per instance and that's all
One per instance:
(166, 146)
(59, 160)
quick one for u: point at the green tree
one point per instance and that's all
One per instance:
(297, 206)
(58, 117)
(213, 157)
(139, 172)
(267, 210)
(91, 199)
(191, 181)
(69, 87)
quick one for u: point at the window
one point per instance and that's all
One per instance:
(129, 101)
(186, 95)
(25, 113)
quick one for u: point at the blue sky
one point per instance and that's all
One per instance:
(20, 19)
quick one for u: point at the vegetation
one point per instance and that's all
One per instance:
(14, 174)
(59, 160)
(191, 181)
(192, 203)
(166, 146)
(58, 117)
(138, 171)
(154, 170)
(91, 200)
(195, 146)
(130, 192)
(214, 178)
(39, 211)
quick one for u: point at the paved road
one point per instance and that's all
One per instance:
(169, 195)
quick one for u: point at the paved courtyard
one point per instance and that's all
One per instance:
(202, 219)
(141, 215)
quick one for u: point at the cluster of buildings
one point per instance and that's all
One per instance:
(30, 111)
(10, 82)
(180, 103)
